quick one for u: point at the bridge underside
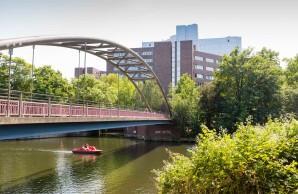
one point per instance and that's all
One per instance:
(14, 131)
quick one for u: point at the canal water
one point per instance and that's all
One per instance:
(48, 165)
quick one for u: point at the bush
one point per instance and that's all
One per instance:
(255, 159)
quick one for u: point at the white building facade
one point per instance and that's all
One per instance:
(216, 46)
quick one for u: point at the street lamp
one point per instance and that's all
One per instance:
(31, 87)
(85, 72)
(118, 96)
(9, 77)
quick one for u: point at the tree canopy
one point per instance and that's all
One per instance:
(248, 84)
(183, 101)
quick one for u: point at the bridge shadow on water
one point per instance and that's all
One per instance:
(79, 170)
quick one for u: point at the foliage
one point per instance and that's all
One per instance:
(20, 73)
(208, 104)
(93, 87)
(291, 71)
(255, 159)
(247, 84)
(290, 100)
(183, 101)
(126, 90)
(290, 89)
(51, 82)
(153, 94)
(3, 71)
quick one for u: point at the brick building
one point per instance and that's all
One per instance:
(183, 53)
(90, 70)
(170, 60)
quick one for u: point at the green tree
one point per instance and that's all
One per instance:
(3, 71)
(208, 104)
(92, 90)
(291, 71)
(105, 89)
(20, 73)
(290, 100)
(248, 84)
(126, 92)
(290, 89)
(153, 94)
(51, 82)
(21, 77)
(183, 101)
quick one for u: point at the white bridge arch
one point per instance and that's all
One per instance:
(128, 62)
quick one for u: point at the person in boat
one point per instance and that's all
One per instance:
(86, 146)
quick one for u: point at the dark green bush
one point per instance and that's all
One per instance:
(255, 159)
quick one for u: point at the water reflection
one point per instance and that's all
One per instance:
(48, 166)
(87, 158)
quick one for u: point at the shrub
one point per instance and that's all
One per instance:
(255, 159)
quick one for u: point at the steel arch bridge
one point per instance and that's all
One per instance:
(126, 60)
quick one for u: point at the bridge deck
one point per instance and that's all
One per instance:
(45, 120)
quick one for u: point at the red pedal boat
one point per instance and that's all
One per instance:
(86, 150)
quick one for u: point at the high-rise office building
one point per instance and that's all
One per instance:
(189, 32)
(184, 53)
(217, 46)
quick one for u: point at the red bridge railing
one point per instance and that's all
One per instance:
(24, 107)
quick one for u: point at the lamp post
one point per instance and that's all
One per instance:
(79, 71)
(9, 87)
(118, 96)
(31, 86)
(85, 72)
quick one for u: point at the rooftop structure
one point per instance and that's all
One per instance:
(216, 46)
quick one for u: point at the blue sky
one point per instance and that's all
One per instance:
(260, 24)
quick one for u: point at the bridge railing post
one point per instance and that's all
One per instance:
(118, 110)
(86, 109)
(110, 110)
(49, 106)
(99, 109)
(70, 108)
(83, 114)
(21, 105)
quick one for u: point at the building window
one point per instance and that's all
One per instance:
(197, 58)
(209, 60)
(199, 67)
(199, 76)
(148, 60)
(119, 54)
(132, 69)
(147, 53)
(178, 61)
(217, 61)
(209, 77)
(209, 69)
